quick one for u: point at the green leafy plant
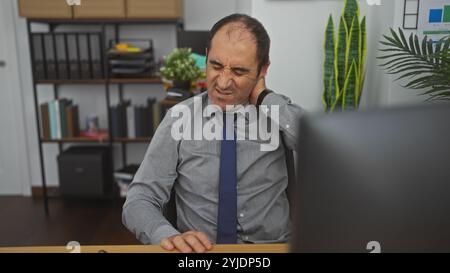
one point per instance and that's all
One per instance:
(344, 65)
(426, 64)
(180, 66)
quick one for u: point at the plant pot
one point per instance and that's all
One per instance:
(184, 85)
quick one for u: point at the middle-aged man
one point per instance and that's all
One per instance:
(227, 191)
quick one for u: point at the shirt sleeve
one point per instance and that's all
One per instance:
(289, 117)
(151, 187)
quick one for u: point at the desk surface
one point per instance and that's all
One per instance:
(243, 248)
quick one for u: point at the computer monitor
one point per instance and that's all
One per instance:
(376, 181)
(196, 40)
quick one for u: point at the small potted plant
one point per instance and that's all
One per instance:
(181, 69)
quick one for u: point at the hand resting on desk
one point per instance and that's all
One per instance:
(190, 241)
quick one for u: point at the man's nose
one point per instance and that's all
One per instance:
(224, 80)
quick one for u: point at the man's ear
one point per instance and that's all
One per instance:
(264, 69)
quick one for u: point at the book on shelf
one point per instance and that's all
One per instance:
(156, 114)
(143, 121)
(136, 121)
(151, 118)
(131, 124)
(45, 121)
(147, 124)
(59, 119)
(119, 120)
(72, 115)
(52, 119)
(64, 104)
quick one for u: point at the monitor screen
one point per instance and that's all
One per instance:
(197, 40)
(374, 181)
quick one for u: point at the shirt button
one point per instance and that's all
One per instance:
(246, 237)
(241, 215)
(287, 126)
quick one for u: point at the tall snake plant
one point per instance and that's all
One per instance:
(344, 63)
(425, 63)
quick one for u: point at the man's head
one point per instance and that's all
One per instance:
(237, 57)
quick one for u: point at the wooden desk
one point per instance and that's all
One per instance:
(247, 248)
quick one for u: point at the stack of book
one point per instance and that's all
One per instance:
(136, 121)
(124, 177)
(59, 119)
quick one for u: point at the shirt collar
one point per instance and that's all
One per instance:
(218, 110)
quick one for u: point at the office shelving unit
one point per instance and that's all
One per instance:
(105, 81)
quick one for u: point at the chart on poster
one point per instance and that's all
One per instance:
(434, 18)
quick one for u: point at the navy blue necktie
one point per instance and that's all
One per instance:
(227, 214)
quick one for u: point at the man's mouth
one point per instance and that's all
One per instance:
(224, 92)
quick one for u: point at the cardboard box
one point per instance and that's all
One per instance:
(45, 9)
(154, 9)
(100, 9)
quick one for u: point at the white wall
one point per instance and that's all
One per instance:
(14, 167)
(297, 32)
(399, 95)
(202, 14)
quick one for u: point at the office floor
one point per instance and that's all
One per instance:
(23, 222)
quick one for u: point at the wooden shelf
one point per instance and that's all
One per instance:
(87, 81)
(156, 21)
(170, 103)
(135, 140)
(154, 80)
(92, 140)
(76, 140)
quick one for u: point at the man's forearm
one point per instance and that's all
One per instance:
(144, 218)
(151, 188)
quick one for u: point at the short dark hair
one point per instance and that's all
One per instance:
(254, 27)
